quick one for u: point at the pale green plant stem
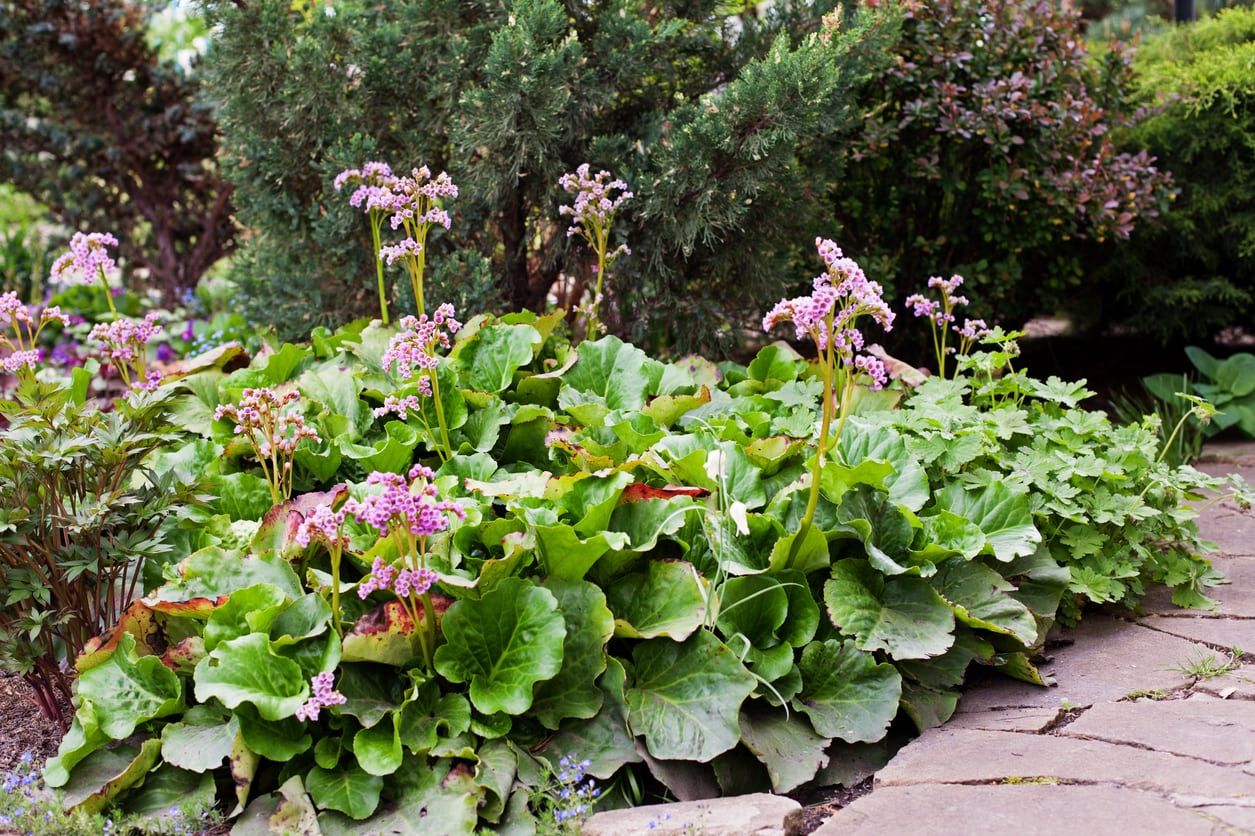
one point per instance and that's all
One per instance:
(336, 552)
(447, 452)
(104, 283)
(376, 223)
(827, 364)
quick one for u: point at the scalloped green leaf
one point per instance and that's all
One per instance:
(979, 597)
(903, 615)
(787, 746)
(247, 670)
(347, 788)
(685, 698)
(589, 626)
(201, 741)
(1002, 515)
(494, 354)
(105, 774)
(503, 644)
(667, 599)
(846, 693)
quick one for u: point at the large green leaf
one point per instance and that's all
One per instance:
(603, 739)
(166, 790)
(287, 811)
(391, 454)
(620, 375)
(249, 610)
(846, 693)
(503, 644)
(667, 599)
(347, 788)
(201, 741)
(430, 718)
(1000, 513)
(885, 529)
(685, 698)
(248, 670)
(425, 799)
(564, 554)
(787, 746)
(213, 572)
(589, 626)
(979, 597)
(864, 439)
(105, 774)
(903, 616)
(378, 748)
(495, 353)
(241, 496)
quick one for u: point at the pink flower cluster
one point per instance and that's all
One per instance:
(126, 340)
(595, 202)
(414, 347)
(374, 192)
(391, 253)
(25, 326)
(839, 298)
(404, 583)
(973, 329)
(324, 695)
(402, 407)
(405, 505)
(87, 258)
(418, 198)
(941, 313)
(322, 525)
(261, 416)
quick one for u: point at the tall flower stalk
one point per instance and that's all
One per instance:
(124, 345)
(418, 207)
(412, 352)
(941, 319)
(592, 218)
(25, 325)
(829, 317)
(88, 262)
(375, 195)
(273, 431)
(326, 526)
(410, 512)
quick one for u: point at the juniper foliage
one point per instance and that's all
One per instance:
(705, 108)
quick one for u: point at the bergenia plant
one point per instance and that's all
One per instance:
(124, 345)
(829, 317)
(325, 526)
(20, 327)
(86, 262)
(941, 319)
(375, 196)
(592, 218)
(412, 353)
(273, 431)
(410, 512)
(418, 207)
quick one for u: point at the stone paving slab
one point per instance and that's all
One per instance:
(1108, 659)
(1023, 810)
(1236, 685)
(1011, 719)
(761, 814)
(957, 756)
(1224, 633)
(1217, 731)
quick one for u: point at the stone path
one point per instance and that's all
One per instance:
(1127, 742)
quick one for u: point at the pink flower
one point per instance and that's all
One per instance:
(379, 579)
(415, 345)
(87, 257)
(419, 196)
(324, 695)
(411, 506)
(595, 203)
(322, 525)
(414, 581)
(402, 407)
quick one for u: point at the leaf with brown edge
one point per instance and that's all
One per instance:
(387, 634)
(277, 531)
(639, 492)
(137, 620)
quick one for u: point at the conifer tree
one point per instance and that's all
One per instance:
(705, 108)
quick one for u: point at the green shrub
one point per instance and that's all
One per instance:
(1196, 273)
(706, 128)
(985, 148)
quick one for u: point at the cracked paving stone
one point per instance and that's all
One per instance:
(1009, 719)
(762, 814)
(1023, 809)
(1219, 731)
(1108, 659)
(1218, 632)
(969, 756)
(1233, 532)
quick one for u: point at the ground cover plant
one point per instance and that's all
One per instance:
(449, 574)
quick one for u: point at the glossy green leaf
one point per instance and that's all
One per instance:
(846, 693)
(589, 626)
(979, 597)
(1002, 515)
(347, 788)
(685, 697)
(503, 644)
(247, 670)
(903, 616)
(787, 746)
(667, 599)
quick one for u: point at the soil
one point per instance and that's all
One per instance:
(22, 727)
(820, 808)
